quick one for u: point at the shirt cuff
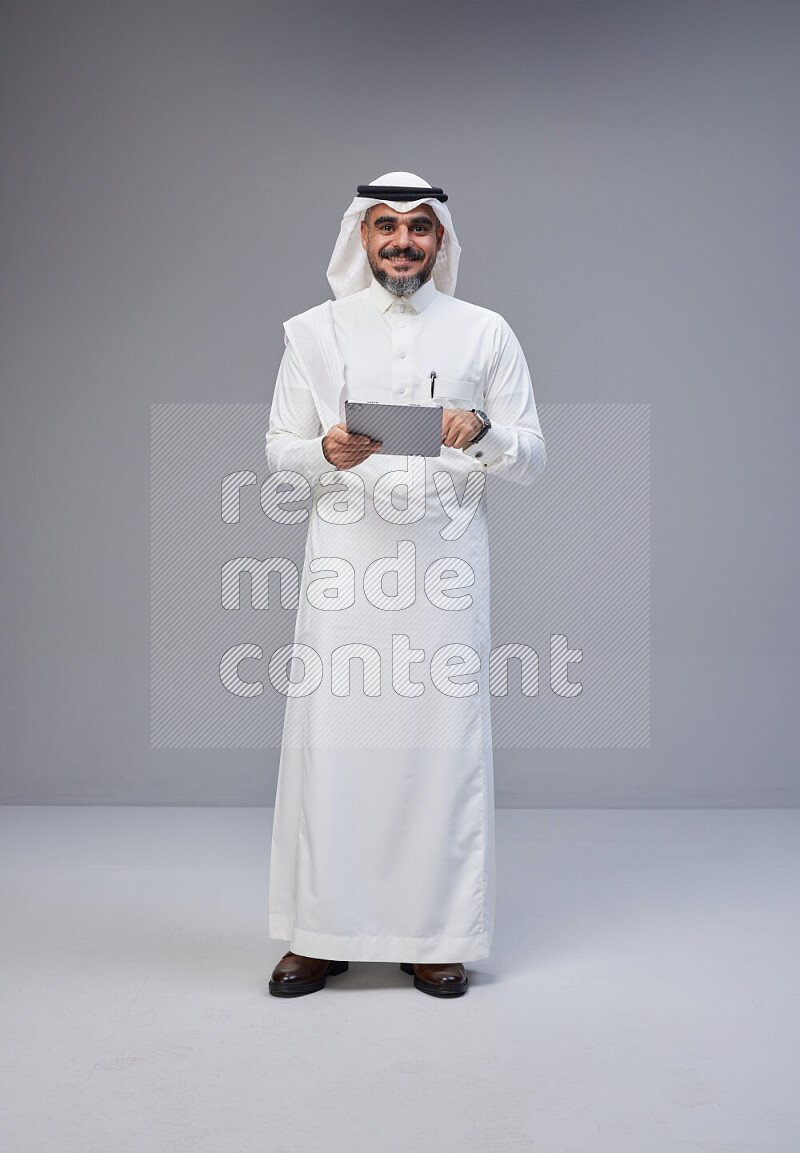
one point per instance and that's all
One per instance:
(497, 441)
(316, 460)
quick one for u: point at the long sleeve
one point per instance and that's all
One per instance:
(513, 448)
(294, 437)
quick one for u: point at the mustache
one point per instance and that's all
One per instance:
(402, 254)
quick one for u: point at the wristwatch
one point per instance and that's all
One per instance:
(487, 424)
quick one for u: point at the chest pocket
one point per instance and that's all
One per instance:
(458, 393)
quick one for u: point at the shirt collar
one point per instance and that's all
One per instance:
(418, 301)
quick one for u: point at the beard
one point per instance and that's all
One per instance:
(398, 285)
(402, 285)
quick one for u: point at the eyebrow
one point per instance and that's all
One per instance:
(393, 220)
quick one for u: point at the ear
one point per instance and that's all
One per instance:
(439, 237)
(364, 234)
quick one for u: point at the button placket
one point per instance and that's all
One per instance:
(401, 366)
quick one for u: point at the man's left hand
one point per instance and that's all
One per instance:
(459, 427)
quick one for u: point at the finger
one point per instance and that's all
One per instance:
(357, 452)
(348, 439)
(452, 431)
(363, 444)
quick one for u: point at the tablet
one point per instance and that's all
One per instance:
(405, 429)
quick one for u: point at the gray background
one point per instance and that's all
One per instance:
(624, 182)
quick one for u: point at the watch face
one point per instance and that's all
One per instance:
(487, 424)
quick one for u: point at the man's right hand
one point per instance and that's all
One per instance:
(346, 449)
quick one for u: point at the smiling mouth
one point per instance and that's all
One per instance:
(397, 259)
(401, 267)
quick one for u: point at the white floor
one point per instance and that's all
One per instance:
(642, 995)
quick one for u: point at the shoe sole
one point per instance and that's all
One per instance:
(434, 990)
(300, 988)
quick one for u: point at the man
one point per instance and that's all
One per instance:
(383, 839)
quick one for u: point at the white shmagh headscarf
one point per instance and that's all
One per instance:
(349, 269)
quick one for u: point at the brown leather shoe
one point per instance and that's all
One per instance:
(295, 975)
(438, 979)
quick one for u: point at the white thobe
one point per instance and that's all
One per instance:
(383, 836)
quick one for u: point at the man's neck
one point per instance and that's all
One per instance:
(417, 301)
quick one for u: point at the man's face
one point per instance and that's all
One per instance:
(401, 247)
